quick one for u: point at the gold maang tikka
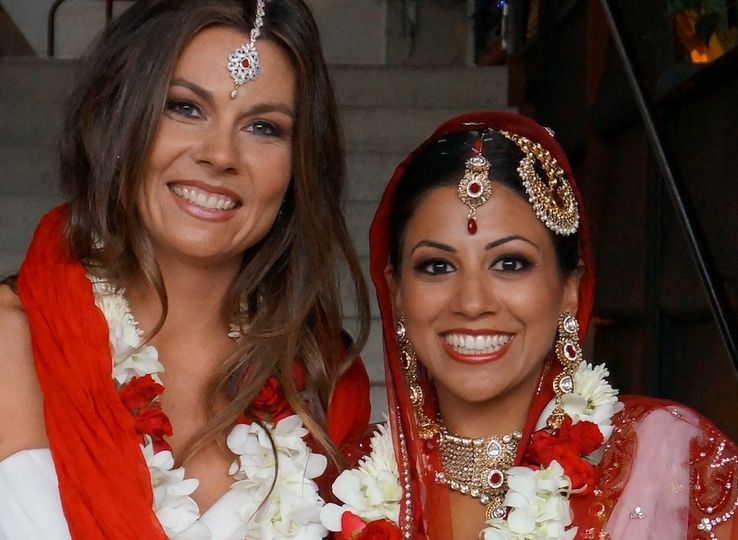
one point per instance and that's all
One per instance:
(243, 63)
(475, 187)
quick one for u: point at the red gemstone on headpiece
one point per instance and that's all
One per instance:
(571, 351)
(475, 187)
(245, 63)
(471, 226)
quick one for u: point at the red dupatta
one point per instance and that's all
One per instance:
(429, 514)
(104, 482)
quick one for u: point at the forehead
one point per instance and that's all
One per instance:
(204, 61)
(440, 215)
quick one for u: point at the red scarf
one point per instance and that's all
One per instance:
(104, 482)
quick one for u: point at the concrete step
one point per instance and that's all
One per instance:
(36, 79)
(28, 123)
(18, 219)
(469, 88)
(349, 302)
(10, 262)
(369, 173)
(392, 129)
(359, 215)
(29, 171)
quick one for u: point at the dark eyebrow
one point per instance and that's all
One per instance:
(199, 90)
(259, 108)
(271, 106)
(507, 239)
(491, 245)
(430, 243)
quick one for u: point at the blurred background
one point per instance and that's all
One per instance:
(642, 95)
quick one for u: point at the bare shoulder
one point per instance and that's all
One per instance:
(21, 405)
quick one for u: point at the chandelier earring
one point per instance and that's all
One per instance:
(409, 364)
(569, 353)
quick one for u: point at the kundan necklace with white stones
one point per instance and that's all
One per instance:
(478, 467)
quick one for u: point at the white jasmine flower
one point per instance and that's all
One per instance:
(593, 400)
(174, 508)
(539, 506)
(372, 490)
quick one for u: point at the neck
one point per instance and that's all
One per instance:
(196, 297)
(503, 414)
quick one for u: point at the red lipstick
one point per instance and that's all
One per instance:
(476, 359)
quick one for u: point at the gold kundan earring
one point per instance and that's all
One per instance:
(409, 364)
(569, 353)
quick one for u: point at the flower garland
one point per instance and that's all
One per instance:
(556, 467)
(371, 493)
(255, 506)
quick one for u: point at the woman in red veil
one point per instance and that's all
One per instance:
(481, 259)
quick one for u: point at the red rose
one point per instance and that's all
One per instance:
(351, 525)
(568, 447)
(154, 422)
(270, 402)
(380, 529)
(139, 393)
(585, 437)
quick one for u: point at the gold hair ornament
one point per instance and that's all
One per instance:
(553, 200)
(475, 188)
(243, 63)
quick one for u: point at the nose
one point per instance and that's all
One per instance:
(218, 150)
(475, 295)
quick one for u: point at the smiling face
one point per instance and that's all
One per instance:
(481, 310)
(219, 167)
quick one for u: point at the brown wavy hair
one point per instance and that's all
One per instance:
(289, 281)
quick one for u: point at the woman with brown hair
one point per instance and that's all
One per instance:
(501, 430)
(173, 358)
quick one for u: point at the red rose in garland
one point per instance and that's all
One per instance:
(380, 529)
(568, 447)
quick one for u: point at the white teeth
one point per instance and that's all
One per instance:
(209, 202)
(468, 344)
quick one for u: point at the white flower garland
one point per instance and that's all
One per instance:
(538, 499)
(372, 490)
(248, 509)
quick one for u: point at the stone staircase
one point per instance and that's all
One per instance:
(386, 112)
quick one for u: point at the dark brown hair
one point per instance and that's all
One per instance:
(289, 280)
(441, 163)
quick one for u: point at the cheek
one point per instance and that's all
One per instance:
(276, 176)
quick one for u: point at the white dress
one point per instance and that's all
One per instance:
(30, 506)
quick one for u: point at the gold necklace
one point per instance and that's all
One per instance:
(478, 467)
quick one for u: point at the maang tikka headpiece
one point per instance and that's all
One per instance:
(553, 200)
(243, 63)
(475, 186)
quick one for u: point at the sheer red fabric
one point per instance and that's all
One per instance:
(104, 483)
(426, 513)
